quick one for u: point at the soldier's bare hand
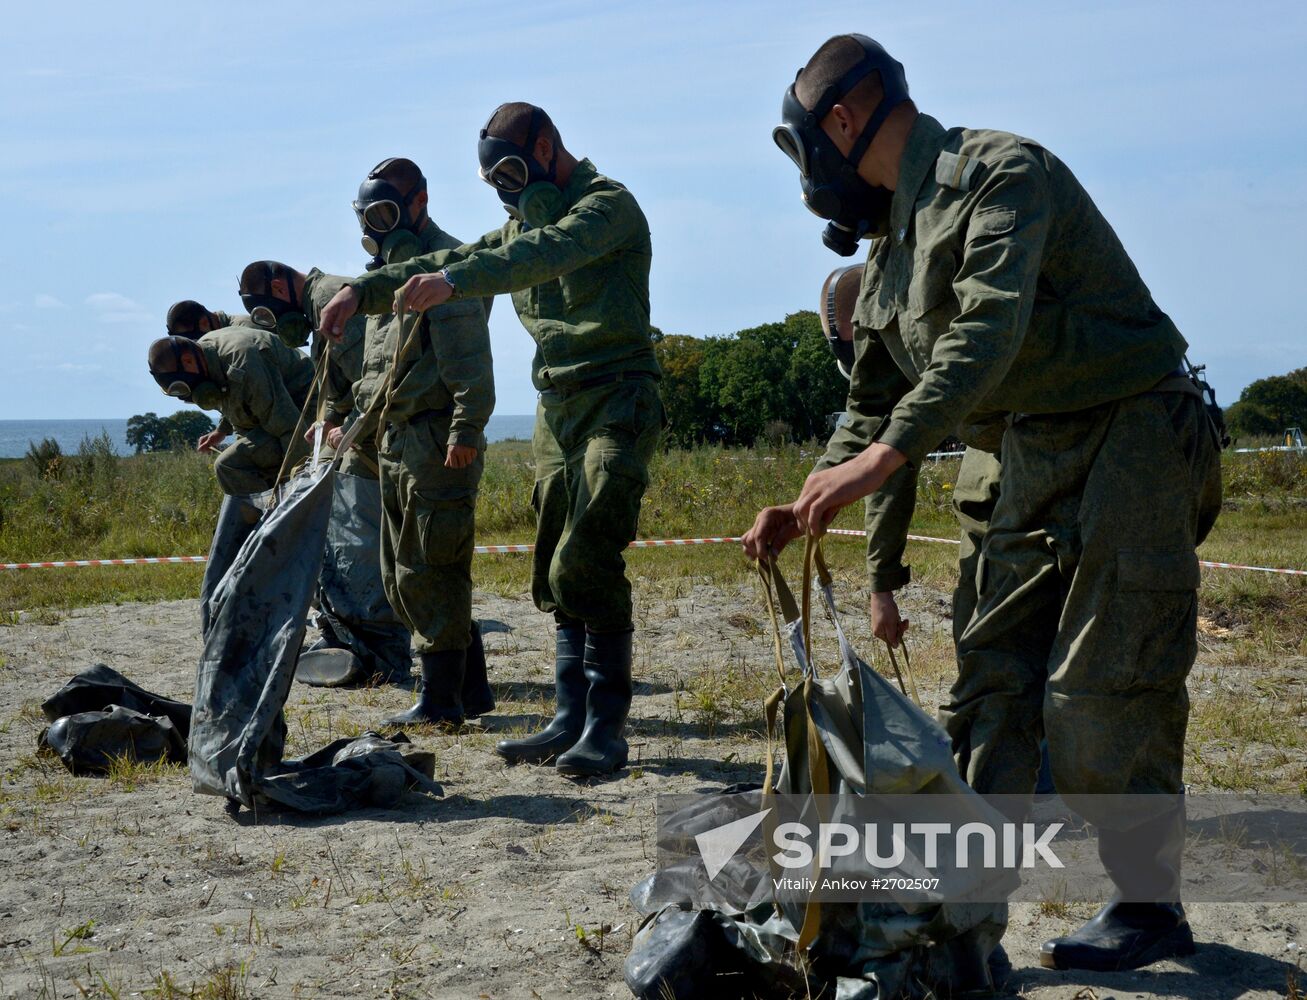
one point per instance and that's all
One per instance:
(422, 291)
(829, 491)
(210, 441)
(342, 307)
(773, 529)
(335, 436)
(327, 428)
(886, 623)
(460, 456)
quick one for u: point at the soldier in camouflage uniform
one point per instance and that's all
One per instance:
(575, 258)
(192, 320)
(427, 398)
(256, 382)
(889, 510)
(355, 616)
(999, 288)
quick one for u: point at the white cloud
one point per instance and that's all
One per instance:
(113, 307)
(44, 301)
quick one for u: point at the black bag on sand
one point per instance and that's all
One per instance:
(88, 742)
(100, 686)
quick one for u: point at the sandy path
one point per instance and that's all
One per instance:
(476, 895)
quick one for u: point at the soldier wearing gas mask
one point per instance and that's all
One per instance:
(575, 256)
(256, 382)
(361, 636)
(287, 302)
(192, 320)
(428, 397)
(889, 510)
(995, 286)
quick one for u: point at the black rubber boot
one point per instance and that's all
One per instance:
(569, 713)
(478, 698)
(440, 701)
(1000, 967)
(1144, 862)
(1122, 936)
(602, 748)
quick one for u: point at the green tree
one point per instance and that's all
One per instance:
(689, 411)
(150, 432)
(147, 432)
(186, 427)
(817, 389)
(1270, 405)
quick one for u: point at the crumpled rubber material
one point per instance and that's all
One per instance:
(237, 519)
(100, 686)
(354, 613)
(876, 741)
(369, 771)
(256, 615)
(100, 715)
(705, 955)
(88, 742)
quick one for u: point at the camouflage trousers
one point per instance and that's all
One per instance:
(250, 463)
(592, 452)
(1085, 625)
(427, 532)
(974, 496)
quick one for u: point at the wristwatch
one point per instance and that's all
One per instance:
(444, 273)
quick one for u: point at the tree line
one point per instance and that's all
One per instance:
(776, 382)
(1270, 406)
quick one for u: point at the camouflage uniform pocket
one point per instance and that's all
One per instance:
(582, 286)
(1152, 641)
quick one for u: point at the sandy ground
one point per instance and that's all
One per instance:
(127, 888)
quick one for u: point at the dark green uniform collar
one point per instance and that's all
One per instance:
(307, 305)
(582, 176)
(212, 361)
(431, 236)
(924, 144)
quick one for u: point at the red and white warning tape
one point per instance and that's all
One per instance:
(642, 543)
(142, 561)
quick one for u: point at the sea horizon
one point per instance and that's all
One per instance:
(17, 435)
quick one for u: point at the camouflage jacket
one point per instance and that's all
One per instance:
(447, 364)
(345, 360)
(579, 286)
(264, 382)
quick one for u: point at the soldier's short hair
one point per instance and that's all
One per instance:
(165, 353)
(257, 277)
(828, 64)
(401, 172)
(184, 318)
(512, 121)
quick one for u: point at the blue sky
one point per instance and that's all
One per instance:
(150, 150)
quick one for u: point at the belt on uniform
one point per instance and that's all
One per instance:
(598, 380)
(424, 416)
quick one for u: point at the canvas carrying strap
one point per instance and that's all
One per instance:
(776, 591)
(317, 395)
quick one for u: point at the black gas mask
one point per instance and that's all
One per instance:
(839, 294)
(193, 387)
(385, 216)
(284, 318)
(529, 191)
(831, 186)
